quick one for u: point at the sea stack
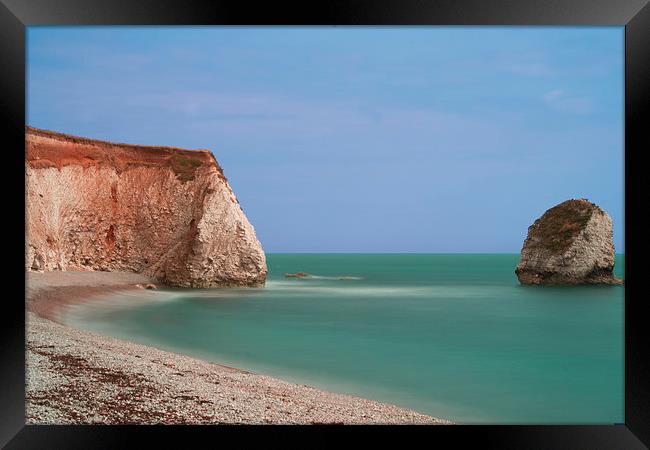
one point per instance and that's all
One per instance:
(164, 212)
(572, 243)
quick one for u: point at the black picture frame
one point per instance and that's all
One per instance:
(634, 15)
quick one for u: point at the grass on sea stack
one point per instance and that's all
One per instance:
(560, 225)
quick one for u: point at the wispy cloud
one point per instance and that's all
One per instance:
(282, 118)
(564, 102)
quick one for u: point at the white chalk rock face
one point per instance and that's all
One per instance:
(571, 243)
(164, 212)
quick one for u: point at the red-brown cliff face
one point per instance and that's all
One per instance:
(165, 212)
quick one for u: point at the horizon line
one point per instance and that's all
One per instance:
(396, 253)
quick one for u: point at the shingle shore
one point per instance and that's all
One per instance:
(75, 376)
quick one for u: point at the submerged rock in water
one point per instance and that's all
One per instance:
(572, 243)
(297, 275)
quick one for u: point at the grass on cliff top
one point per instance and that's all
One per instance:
(560, 225)
(184, 166)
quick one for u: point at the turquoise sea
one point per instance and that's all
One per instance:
(450, 335)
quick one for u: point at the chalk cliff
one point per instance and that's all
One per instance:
(572, 243)
(164, 212)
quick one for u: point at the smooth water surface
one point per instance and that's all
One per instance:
(450, 335)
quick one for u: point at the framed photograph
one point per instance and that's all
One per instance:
(409, 217)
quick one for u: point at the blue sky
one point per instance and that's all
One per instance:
(364, 139)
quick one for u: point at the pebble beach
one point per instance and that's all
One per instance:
(79, 377)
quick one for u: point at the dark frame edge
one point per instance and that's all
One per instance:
(591, 437)
(637, 93)
(637, 396)
(339, 12)
(12, 114)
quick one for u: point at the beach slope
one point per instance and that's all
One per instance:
(78, 377)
